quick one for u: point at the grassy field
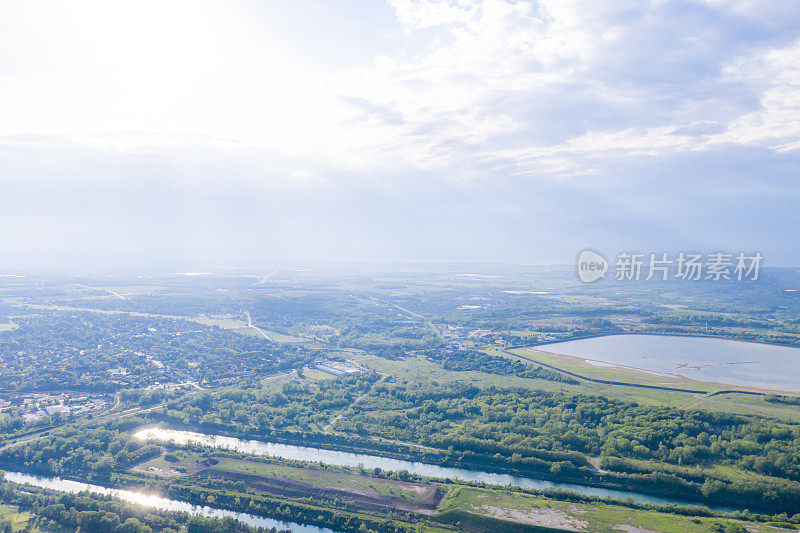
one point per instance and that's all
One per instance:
(187, 460)
(284, 338)
(18, 520)
(225, 322)
(323, 478)
(749, 404)
(420, 369)
(159, 466)
(317, 375)
(280, 338)
(534, 510)
(613, 373)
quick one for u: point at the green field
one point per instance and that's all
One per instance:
(322, 478)
(595, 517)
(285, 338)
(417, 369)
(318, 478)
(10, 514)
(159, 466)
(749, 404)
(317, 375)
(221, 322)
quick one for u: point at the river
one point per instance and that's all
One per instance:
(337, 458)
(164, 504)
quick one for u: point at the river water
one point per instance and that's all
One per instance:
(699, 358)
(164, 504)
(337, 458)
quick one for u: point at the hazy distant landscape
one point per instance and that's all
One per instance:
(402, 397)
(399, 266)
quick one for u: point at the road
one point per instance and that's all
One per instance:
(250, 325)
(327, 429)
(121, 297)
(410, 313)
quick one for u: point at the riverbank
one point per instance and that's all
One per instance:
(159, 502)
(601, 488)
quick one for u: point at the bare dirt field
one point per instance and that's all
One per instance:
(366, 491)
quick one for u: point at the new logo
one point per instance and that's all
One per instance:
(591, 266)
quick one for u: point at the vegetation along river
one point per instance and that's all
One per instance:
(164, 504)
(348, 459)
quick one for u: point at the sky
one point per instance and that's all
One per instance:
(202, 134)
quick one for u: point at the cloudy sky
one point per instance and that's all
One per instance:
(234, 133)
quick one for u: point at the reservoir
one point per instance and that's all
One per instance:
(699, 358)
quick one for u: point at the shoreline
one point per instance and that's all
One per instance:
(660, 334)
(757, 390)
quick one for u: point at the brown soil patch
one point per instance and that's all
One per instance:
(426, 500)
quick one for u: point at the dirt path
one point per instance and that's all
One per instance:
(258, 329)
(327, 428)
(595, 462)
(336, 418)
(697, 398)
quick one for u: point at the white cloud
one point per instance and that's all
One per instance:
(416, 15)
(498, 84)
(548, 87)
(775, 75)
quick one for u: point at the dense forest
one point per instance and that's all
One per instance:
(539, 433)
(462, 359)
